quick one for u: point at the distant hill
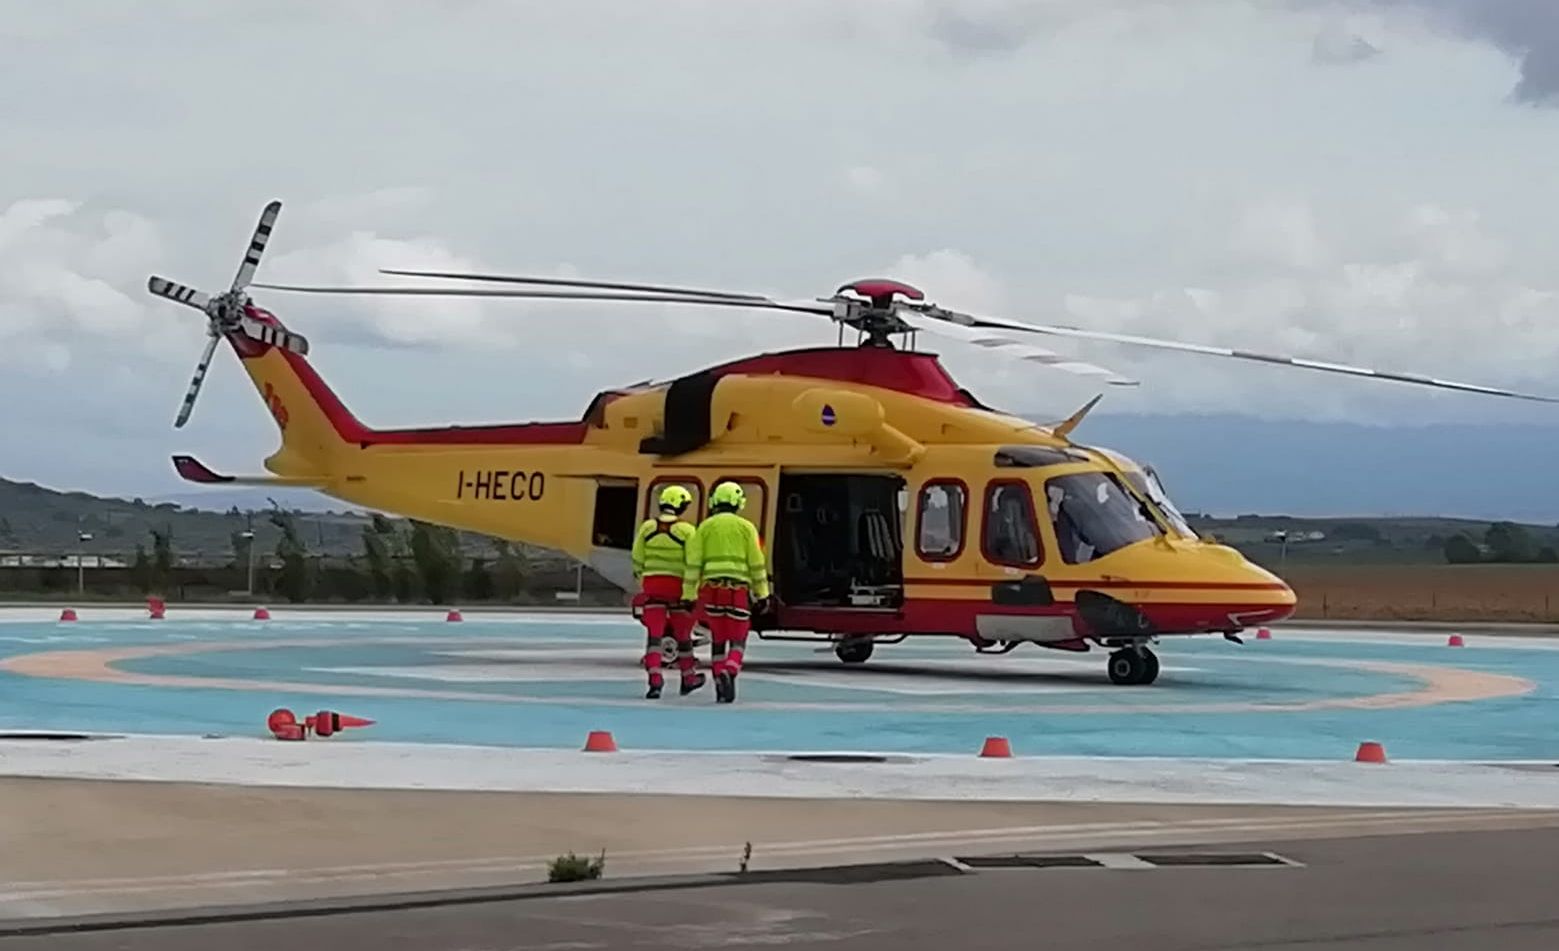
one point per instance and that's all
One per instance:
(39, 520)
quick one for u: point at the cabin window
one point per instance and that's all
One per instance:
(940, 520)
(1094, 515)
(756, 491)
(1010, 533)
(694, 487)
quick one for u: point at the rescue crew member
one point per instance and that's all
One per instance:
(727, 574)
(659, 565)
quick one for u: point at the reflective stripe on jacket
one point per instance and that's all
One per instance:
(725, 546)
(660, 547)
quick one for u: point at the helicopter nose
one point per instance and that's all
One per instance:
(1221, 591)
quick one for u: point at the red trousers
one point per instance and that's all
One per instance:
(728, 607)
(660, 610)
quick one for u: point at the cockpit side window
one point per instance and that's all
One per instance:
(1094, 515)
(1010, 535)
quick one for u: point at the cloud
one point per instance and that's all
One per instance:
(1525, 29)
(1336, 44)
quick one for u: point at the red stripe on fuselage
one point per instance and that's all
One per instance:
(350, 429)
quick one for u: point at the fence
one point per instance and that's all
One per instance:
(114, 577)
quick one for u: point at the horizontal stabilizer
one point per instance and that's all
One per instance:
(191, 469)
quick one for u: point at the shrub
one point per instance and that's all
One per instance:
(575, 868)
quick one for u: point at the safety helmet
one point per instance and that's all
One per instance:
(674, 498)
(728, 494)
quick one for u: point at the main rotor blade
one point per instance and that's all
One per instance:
(1017, 350)
(566, 282)
(163, 287)
(1301, 362)
(763, 304)
(262, 234)
(200, 376)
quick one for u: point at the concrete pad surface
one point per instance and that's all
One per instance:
(78, 847)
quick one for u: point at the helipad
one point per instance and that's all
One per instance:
(546, 680)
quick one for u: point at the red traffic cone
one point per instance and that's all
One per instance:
(326, 723)
(1370, 752)
(262, 614)
(1455, 640)
(1263, 635)
(69, 614)
(600, 741)
(156, 608)
(997, 747)
(453, 615)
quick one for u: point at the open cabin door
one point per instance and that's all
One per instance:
(613, 521)
(838, 540)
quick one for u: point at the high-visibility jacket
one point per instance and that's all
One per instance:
(660, 547)
(725, 546)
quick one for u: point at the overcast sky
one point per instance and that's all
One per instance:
(1368, 181)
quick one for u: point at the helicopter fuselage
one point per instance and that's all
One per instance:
(889, 501)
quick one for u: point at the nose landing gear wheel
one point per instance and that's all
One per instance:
(1132, 667)
(854, 650)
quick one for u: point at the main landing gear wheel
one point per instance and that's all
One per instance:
(1133, 667)
(854, 650)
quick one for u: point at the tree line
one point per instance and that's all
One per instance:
(1503, 543)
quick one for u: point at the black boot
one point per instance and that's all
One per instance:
(725, 687)
(653, 693)
(690, 684)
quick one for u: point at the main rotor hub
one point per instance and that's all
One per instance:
(877, 315)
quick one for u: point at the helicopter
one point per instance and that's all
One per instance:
(890, 501)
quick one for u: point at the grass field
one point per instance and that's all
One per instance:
(1426, 592)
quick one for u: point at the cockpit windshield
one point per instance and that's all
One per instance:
(1094, 515)
(1149, 485)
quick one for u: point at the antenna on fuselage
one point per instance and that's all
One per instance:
(1066, 426)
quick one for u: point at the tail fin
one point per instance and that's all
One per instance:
(316, 427)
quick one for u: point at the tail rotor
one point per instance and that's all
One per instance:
(226, 313)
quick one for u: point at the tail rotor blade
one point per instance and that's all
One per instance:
(262, 234)
(163, 287)
(198, 379)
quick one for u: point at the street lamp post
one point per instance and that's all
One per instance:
(248, 537)
(81, 561)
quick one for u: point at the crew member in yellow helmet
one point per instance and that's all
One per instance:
(726, 572)
(659, 565)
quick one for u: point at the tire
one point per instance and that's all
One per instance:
(1126, 668)
(854, 650)
(1150, 670)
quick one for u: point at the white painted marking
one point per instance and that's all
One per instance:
(1119, 860)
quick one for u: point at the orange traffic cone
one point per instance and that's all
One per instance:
(1370, 752)
(69, 614)
(996, 746)
(600, 741)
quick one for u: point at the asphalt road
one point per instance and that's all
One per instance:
(1424, 892)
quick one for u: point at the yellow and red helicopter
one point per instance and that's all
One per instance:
(890, 501)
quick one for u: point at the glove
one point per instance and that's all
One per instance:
(764, 605)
